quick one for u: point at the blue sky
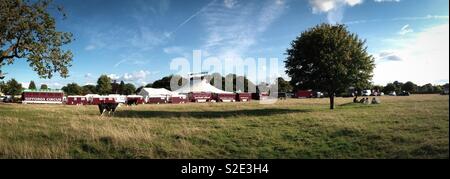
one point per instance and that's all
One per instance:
(136, 40)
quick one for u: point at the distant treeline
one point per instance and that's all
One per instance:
(105, 85)
(410, 87)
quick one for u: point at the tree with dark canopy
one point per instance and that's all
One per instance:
(121, 88)
(28, 31)
(165, 82)
(72, 89)
(88, 89)
(13, 88)
(104, 85)
(409, 87)
(128, 89)
(32, 85)
(283, 85)
(389, 88)
(43, 87)
(329, 58)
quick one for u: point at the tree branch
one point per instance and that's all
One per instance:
(15, 53)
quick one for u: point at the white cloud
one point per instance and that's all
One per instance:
(405, 30)
(26, 84)
(137, 77)
(88, 75)
(90, 47)
(387, 0)
(229, 3)
(387, 56)
(425, 58)
(114, 76)
(415, 18)
(333, 8)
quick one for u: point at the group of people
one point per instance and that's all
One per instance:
(366, 100)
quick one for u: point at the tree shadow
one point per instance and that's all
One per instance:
(206, 114)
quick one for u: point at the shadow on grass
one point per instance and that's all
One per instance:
(206, 114)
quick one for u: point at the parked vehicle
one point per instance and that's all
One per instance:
(366, 93)
(393, 93)
(304, 94)
(318, 94)
(404, 93)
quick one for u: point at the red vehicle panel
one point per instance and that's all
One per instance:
(224, 97)
(243, 97)
(304, 94)
(197, 97)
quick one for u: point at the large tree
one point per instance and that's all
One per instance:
(283, 85)
(128, 89)
(13, 88)
(389, 88)
(104, 85)
(28, 31)
(115, 87)
(32, 85)
(121, 89)
(72, 89)
(2, 87)
(409, 87)
(165, 82)
(329, 58)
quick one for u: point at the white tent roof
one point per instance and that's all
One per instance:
(200, 86)
(156, 92)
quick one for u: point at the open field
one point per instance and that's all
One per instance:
(400, 127)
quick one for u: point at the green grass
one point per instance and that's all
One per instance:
(400, 127)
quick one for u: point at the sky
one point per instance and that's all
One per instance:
(137, 40)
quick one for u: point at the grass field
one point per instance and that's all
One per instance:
(400, 127)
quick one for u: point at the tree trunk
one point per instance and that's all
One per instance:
(332, 101)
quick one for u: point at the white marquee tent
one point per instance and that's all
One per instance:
(198, 86)
(156, 92)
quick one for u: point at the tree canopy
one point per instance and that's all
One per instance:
(128, 89)
(166, 81)
(283, 85)
(104, 85)
(13, 88)
(409, 87)
(89, 89)
(72, 89)
(44, 87)
(28, 31)
(329, 58)
(32, 85)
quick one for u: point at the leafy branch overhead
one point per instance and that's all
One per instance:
(28, 31)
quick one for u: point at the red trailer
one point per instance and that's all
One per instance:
(224, 97)
(243, 97)
(77, 100)
(135, 99)
(42, 96)
(157, 99)
(103, 100)
(178, 99)
(200, 97)
(260, 96)
(304, 94)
